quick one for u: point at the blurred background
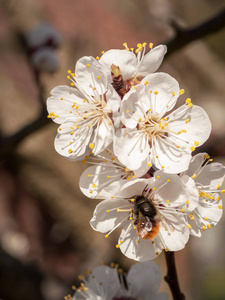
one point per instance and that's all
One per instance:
(45, 237)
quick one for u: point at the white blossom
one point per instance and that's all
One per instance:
(110, 283)
(153, 136)
(208, 178)
(85, 111)
(102, 284)
(133, 64)
(105, 169)
(145, 234)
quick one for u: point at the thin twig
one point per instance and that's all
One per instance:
(185, 36)
(171, 277)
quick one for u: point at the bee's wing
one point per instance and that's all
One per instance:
(144, 226)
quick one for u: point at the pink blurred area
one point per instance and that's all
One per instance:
(44, 218)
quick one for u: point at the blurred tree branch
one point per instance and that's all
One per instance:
(8, 143)
(186, 36)
(18, 281)
(181, 39)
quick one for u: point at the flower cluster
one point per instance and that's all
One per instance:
(110, 283)
(119, 115)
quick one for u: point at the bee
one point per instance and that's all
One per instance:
(145, 218)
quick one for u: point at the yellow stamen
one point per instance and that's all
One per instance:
(182, 91)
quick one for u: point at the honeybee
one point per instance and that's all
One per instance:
(145, 218)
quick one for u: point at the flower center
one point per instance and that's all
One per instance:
(152, 126)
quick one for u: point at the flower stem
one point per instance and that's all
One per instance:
(171, 277)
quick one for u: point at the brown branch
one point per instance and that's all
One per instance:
(8, 143)
(185, 36)
(171, 277)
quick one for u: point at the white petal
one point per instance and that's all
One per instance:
(102, 136)
(126, 189)
(87, 70)
(104, 221)
(113, 104)
(195, 229)
(175, 239)
(152, 60)
(113, 99)
(144, 168)
(197, 129)
(133, 108)
(210, 210)
(211, 175)
(142, 251)
(195, 164)
(143, 278)
(79, 142)
(94, 178)
(106, 279)
(61, 102)
(162, 91)
(192, 192)
(131, 149)
(125, 60)
(169, 158)
(170, 187)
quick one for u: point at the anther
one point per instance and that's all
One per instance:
(182, 91)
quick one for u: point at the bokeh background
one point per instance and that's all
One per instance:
(45, 237)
